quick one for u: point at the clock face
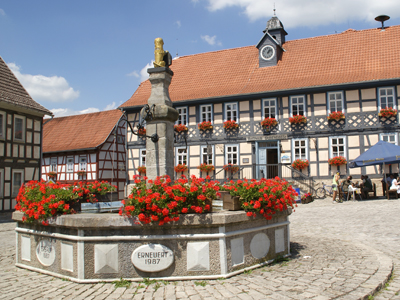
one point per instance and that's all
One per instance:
(267, 52)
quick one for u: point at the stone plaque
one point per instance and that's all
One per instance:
(259, 245)
(46, 252)
(152, 258)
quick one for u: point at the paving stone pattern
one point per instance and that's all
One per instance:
(340, 251)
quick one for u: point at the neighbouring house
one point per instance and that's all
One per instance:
(20, 137)
(318, 98)
(86, 147)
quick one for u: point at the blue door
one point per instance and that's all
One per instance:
(268, 162)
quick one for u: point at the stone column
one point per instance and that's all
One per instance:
(160, 155)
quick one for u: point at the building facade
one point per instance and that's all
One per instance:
(86, 147)
(20, 137)
(355, 73)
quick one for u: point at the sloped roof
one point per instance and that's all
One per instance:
(80, 132)
(348, 57)
(12, 91)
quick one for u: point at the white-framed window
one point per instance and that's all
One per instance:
(231, 112)
(206, 113)
(2, 124)
(207, 154)
(183, 115)
(389, 137)
(19, 128)
(298, 105)
(181, 156)
(1, 182)
(17, 180)
(53, 164)
(82, 163)
(300, 148)
(337, 146)
(142, 157)
(232, 154)
(269, 108)
(335, 102)
(386, 97)
(70, 164)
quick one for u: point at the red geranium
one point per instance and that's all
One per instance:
(387, 112)
(230, 124)
(297, 119)
(142, 131)
(180, 128)
(205, 125)
(300, 164)
(336, 115)
(180, 168)
(206, 168)
(142, 170)
(231, 167)
(337, 161)
(268, 122)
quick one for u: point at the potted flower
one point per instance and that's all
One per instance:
(52, 174)
(141, 131)
(387, 112)
(206, 168)
(336, 115)
(300, 164)
(306, 198)
(180, 128)
(230, 124)
(231, 167)
(337, 161)
(180, 168)
(268, 122)
(142, 170)
(205, 125)
(81, 173)
(297, 119)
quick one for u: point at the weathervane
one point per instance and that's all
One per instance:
(274, 10)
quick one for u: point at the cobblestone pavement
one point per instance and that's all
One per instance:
(340, 251)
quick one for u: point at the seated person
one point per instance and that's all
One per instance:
(396, 185)
(345, 185)
(366, 186)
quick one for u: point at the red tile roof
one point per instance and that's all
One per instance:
(349, 57)
(12, 91)
(79, 132)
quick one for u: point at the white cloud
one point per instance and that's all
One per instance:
(43, 88)
(311, 13)
(2, 12)
(63, 112)
(134, 74)
(143, 72)
(178, 23)
(212, 40)
(111, 106)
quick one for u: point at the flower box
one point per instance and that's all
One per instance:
(232, 168)
(206, 168)
(387, 112)
(180, 128)
(300, 164)
(81, 173)
(336, 115)
(142, 170)
(180, 168)
(229, 202)
(206, 125)
(307, 198)
(337, 161)
(52, 174)
(231, 124)
(298, 119)
(141, 131)
(268, 122)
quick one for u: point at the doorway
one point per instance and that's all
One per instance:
(268, 161)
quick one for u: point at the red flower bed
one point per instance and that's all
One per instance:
(268, 122)
(231, 167)
(336, 115)
(164, 200)
(206, 168)
(337, 161)
(205, 125)
(300, 164)
(387, 112)
(40, 200)
(297, 119)
(265, 197)
(230, 124)
(142, 170)
(180, 168)
(180, 128)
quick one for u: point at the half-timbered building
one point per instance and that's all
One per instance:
(20, 137)
(86, 147)
(354, 72)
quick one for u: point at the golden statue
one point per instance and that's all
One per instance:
(159, 53)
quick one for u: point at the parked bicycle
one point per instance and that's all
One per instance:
(321, 192)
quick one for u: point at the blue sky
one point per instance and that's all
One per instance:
(86, 56)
